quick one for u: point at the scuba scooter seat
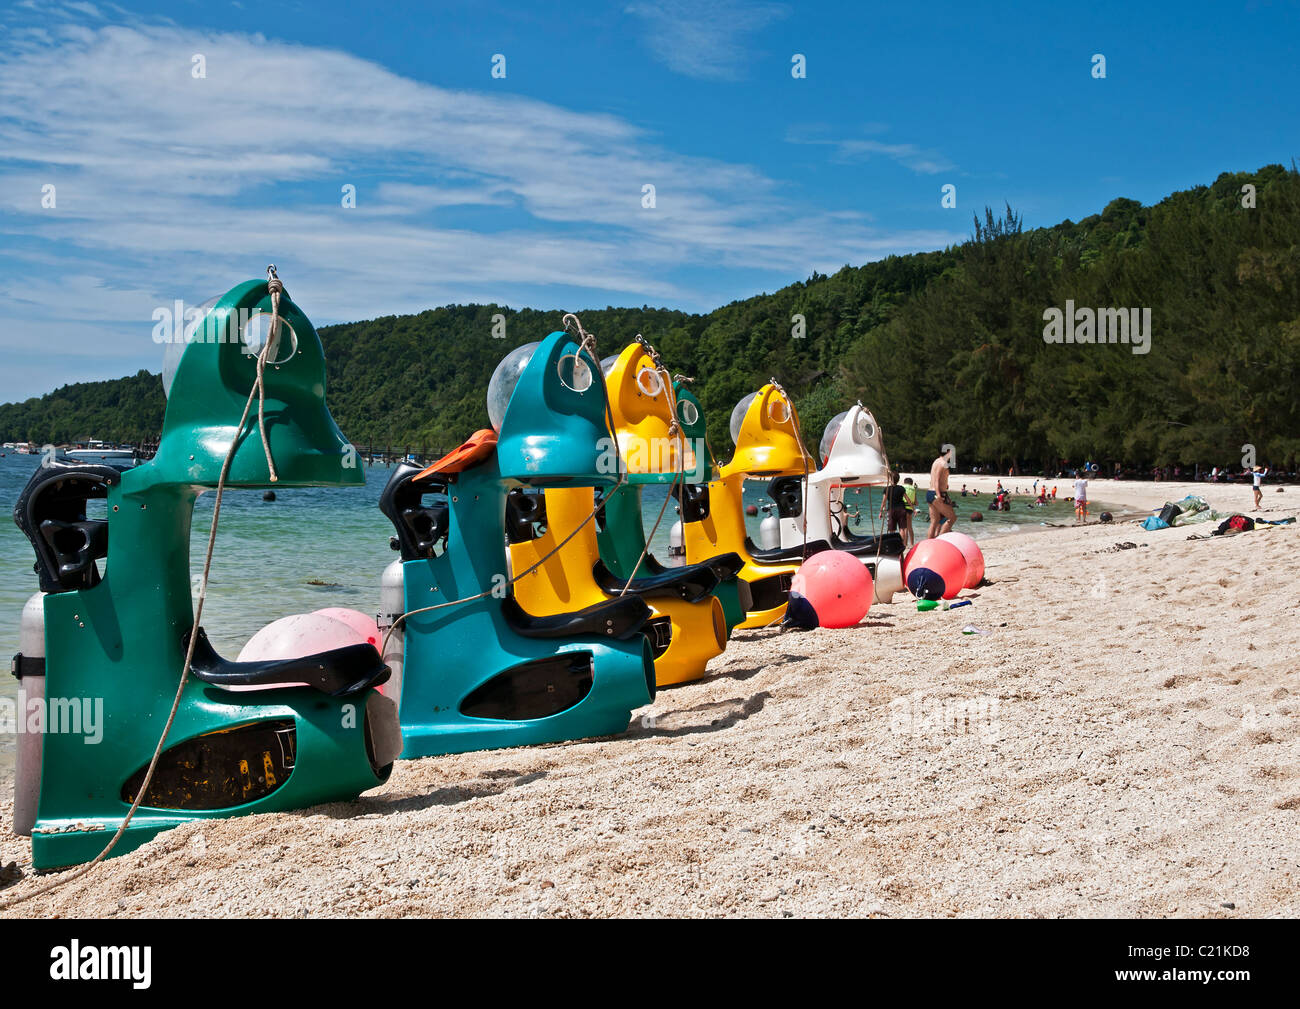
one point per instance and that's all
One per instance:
(112, 643)
(691, 583)
(337, 672)
(621, 619)
(779, 554)
(886, 544)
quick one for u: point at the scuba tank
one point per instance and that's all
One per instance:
(769, 530)
(676, 546)
(29, 668)
(392, 603)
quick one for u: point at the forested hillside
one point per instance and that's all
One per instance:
(944, 347)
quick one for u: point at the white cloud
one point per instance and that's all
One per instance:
(703, 38)
(170, 186)
(918, 159)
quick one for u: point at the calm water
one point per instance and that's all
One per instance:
(313, 548)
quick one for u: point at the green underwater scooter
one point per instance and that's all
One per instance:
(249, 737)
(483, 673)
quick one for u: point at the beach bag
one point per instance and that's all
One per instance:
(1170, 512)
(1237, 524)
(1153, 523)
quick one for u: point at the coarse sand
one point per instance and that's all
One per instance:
(1121, 741)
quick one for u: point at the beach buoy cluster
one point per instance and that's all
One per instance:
(942, 567)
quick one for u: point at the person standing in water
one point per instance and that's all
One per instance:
(1081, 500)
(942, 512)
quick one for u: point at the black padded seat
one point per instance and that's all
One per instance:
(778, 555)
(337, 672)
(620, 618)
(890, 545)
(726, 565)
(691, 582)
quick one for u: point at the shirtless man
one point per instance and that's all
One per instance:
(942, 513)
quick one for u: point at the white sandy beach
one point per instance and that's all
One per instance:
(1122, 741)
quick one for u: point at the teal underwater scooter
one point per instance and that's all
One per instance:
(249, 737)
(476, 670)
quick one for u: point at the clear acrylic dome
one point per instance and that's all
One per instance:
(828, 436)
(504, 380)
(738, 415)
(184, 331)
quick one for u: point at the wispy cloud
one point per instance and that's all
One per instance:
(169, 186)
(918, 159)
(705, 39)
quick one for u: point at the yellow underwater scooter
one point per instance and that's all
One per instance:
(765, 429)
(688, 626)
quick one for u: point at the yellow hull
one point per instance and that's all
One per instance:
(684, 635)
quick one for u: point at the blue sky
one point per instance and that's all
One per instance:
(527, 190)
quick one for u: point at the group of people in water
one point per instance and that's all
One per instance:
(898, 504)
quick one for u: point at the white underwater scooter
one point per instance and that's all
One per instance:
(853, 455)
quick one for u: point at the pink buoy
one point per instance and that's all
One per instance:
(831, 589)
(973, 554)
(935, 569)
(362, 623)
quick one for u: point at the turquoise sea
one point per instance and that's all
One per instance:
(312, 548)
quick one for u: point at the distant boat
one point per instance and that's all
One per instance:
(100, 453)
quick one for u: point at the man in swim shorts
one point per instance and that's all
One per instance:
(1081, 500)
(942, 512)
